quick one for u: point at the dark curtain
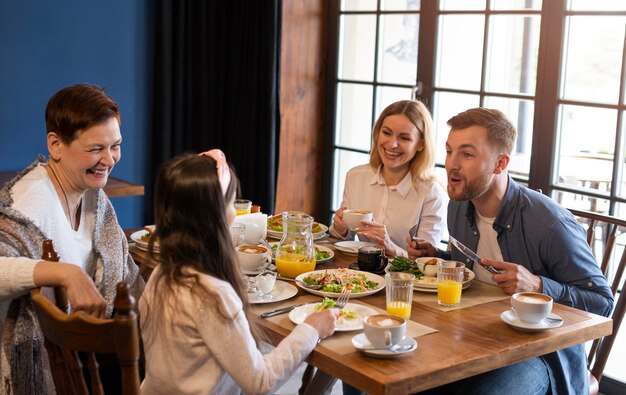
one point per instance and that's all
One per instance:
(216, 86)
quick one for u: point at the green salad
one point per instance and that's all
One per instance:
(335, 280)
(328, 303)
(403, 264)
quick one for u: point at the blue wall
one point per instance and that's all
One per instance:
(47, 45)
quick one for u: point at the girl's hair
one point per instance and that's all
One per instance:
(192, 228)
(423, 163)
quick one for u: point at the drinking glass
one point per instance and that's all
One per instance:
(450, 276)
(243, 206)
(399, 294)
(237, 234)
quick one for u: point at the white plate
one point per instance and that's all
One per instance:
(299, 314)
(511, 319)
(317, 235)
(282, 291)
(361, 343)
(434, 290)
(319, 247)
(352, 247)
(142, 245)
(271, 267)
(369, 276)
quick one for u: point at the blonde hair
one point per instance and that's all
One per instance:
(423, 162)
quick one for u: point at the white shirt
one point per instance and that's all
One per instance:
(205, 346)
(398, 207)
(488, 247)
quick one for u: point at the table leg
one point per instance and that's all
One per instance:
(322, 383)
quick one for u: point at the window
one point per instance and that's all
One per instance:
(556, 67)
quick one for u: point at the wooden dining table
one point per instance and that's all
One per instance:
(463, 342)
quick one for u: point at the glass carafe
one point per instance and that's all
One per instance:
(296, 251)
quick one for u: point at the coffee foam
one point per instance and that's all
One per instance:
(532, 299)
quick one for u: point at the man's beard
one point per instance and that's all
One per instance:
(471, 190)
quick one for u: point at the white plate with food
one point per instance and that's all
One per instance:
(275, 228)
(282, 291)
(351, 247)
(422, 282)
(141, 238)
(322, 253)
(331, 281)
(350, 317)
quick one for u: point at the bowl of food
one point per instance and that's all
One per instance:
(428, 265)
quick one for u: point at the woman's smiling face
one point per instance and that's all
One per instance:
(87, 161)
(398, 142)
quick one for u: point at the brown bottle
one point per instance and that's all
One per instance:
(49, 254)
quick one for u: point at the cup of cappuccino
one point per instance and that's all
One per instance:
(252, 258)
(384, 330)
(531, 307)
(353, 217)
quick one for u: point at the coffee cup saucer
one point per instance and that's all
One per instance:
(513, 320)
(355, 266)
(406, 345)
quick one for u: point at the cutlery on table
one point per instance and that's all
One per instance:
(282, 310)
(309, 286)
(472, 255)
(394, 348)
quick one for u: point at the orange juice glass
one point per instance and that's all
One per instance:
(399, 290)
(450, 276)
(399, 309)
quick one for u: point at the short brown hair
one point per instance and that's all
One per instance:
(423, 163)
(500, 131)
(79, 107)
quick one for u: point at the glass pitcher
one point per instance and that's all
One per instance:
(296, 251)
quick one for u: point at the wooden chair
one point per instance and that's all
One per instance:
(611, 227)
(67, 335)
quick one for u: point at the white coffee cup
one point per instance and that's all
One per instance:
(531, 307)
(252, 257)
(384, 330)
(352, 217)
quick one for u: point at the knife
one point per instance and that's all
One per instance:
(282, 310)
(472, 255)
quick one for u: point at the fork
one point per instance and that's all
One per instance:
(342, 300)
(413, 232)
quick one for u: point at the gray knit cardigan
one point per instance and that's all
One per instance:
(22, 342)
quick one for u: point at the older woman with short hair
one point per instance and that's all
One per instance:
(61, 199)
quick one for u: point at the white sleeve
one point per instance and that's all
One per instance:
(233, 346)
(16, 276)
(432, 222)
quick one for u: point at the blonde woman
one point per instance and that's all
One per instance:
(398, 185)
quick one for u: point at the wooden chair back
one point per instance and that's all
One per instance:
(67, 335)
(611, 227)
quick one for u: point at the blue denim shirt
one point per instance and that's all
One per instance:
(539, 234)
